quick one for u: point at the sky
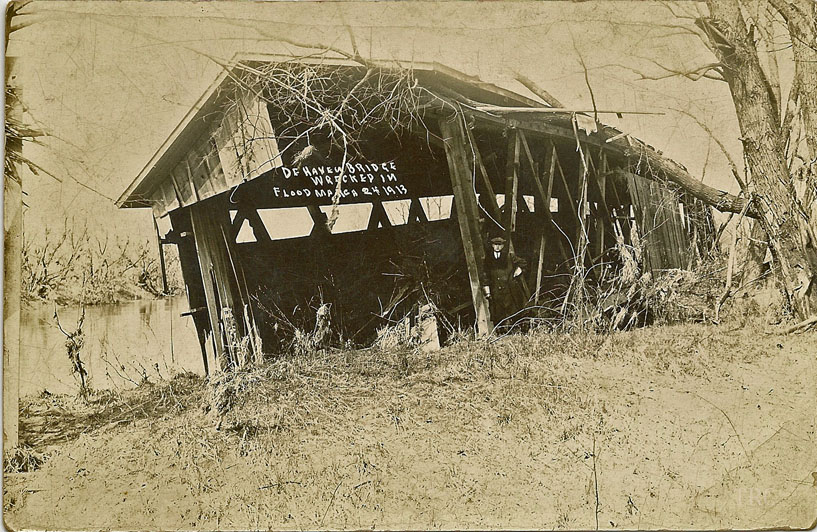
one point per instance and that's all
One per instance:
(108, 81)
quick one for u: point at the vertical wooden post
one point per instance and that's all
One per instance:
(182, 236)
(567, 216)
(467, 216)
(161, 250)
(12, 264)
(539, 268)
(543, 192)
(550, 164)
(601, 181)
(511, 186)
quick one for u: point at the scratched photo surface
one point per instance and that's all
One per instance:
(450, 265)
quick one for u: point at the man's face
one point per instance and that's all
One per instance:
(498, 246)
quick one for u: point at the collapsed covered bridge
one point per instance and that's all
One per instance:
(365, 186)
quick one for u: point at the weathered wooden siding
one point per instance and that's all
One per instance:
(220, 275)
(240, 149)
(658, 219)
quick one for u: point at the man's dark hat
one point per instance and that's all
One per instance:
(498, 240)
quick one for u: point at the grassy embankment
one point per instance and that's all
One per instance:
(687, 426)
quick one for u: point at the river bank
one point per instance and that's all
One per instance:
(687, 426)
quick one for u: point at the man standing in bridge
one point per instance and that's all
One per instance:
(504, 290)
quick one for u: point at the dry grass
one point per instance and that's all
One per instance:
(52, 419)
(319, 387)
(352, 438)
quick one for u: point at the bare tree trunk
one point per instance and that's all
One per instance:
(801, 19)
(764, 147)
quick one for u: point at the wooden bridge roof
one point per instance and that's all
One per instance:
(205, 114)
(494, 104)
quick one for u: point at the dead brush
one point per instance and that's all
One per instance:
(308, 342)
(74, 341)
(229, 389)
(400, 343)
(52, 419)
(627, 296)
(22, 459)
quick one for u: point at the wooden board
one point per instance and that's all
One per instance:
(211, 223)
(246, 142)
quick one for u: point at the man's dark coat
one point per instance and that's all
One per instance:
(507, 294)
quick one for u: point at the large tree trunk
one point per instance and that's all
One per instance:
(764, 146)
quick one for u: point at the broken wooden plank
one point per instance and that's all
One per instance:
(210, 222)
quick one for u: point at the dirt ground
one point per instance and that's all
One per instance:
(682, 427)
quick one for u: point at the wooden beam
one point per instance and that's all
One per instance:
(661, 167)
(546, 110)
(543, 197)
(248, 211)
(564, 181)
(161, 249)
(416, 213)
(177, 190)
(200, 171)
(539, 268)
(467, 217)
(489, 195)
(186, 167)
(600, 182)
(378, 217)
(319, 220)
(210, 221)
(551, 177)
(522, 205)
(534, 88)
(551, 173)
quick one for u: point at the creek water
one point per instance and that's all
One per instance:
(124, 344)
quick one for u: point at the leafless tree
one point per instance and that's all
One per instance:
(778, 134)
(783, 171)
